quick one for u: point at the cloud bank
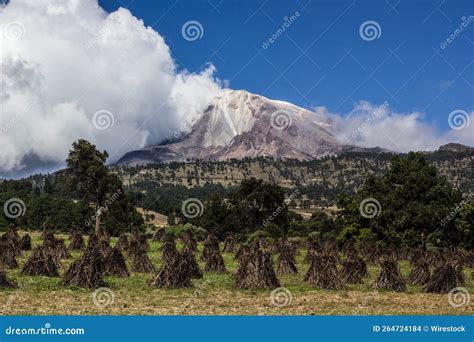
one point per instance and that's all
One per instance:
(369, 125)
(71, 70)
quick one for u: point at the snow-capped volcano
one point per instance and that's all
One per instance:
(228, 116)
(239, 124)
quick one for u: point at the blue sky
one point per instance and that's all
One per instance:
(342, 59)
(320, 59)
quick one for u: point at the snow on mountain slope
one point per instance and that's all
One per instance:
(229, 115)
(240, 124)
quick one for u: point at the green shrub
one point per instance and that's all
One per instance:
(274, 231)
(178, 231)
(258, 233)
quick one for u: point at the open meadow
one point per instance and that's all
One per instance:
(215, 294)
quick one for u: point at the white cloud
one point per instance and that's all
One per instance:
(368, 125)
(62, 62)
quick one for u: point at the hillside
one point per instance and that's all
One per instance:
(320, 179)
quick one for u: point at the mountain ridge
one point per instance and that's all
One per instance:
(321, 180)
(239, 124)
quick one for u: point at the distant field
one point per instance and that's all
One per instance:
(306, 213)
(215, 295)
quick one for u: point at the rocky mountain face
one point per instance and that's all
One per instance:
(240, 125)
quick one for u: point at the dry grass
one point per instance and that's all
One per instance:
(215, 295)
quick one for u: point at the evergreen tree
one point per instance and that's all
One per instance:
(171, 219)
(410, 201)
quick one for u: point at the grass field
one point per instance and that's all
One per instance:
(215, 295)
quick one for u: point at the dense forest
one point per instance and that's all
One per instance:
(73, 198)
(408, 201)
(318, 182)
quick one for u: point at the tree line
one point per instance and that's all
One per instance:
(408, 205)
